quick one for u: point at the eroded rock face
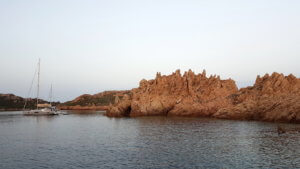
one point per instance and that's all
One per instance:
(272, 98)
(176, 94)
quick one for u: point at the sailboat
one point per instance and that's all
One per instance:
(41, 109)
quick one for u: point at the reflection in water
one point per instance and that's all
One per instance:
(91, 140)
(83, 112)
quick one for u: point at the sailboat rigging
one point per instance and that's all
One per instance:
(41, 109)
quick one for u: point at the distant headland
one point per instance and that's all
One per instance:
(11, 102)
(100, 101)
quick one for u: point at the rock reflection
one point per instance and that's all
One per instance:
(214, 143)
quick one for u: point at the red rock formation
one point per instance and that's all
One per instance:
(187, 95)
(272, 98)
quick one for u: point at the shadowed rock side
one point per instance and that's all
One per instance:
(272, 98)
(177, 95)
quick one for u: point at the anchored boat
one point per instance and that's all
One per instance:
(41, 109)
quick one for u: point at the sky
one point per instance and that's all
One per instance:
(89, 46)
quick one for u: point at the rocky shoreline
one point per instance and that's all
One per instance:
(274, 98)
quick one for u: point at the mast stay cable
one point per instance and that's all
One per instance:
(30, 89)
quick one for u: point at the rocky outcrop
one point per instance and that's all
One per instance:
(99, 101)
(272, 98)
(177, 95)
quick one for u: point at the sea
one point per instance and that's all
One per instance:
(89, 139)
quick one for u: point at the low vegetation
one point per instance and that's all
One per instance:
(100, 99)
(12, 102)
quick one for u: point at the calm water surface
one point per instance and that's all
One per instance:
(91, 140)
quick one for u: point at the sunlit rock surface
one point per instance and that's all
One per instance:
(189, 94)
(272, 98)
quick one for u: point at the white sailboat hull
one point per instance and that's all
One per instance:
(41, 112)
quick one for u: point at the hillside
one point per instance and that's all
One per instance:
(99, 101)
(13, 102)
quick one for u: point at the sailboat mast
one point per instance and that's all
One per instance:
(38, 84)
(51, 95)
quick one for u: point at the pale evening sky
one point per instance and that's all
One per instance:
(88, 46)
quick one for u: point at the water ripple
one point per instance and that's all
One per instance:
(95, 141)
